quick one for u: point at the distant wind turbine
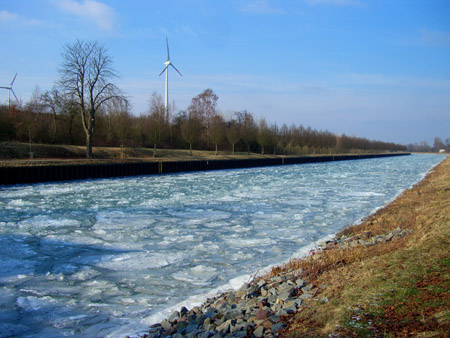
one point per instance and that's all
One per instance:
(166, 69)
(11, 90)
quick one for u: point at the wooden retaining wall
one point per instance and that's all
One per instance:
(36, 174)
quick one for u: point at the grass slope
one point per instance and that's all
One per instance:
(18, 154)
(399, 288)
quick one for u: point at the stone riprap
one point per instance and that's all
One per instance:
(255, 309)
(364, 239)
(258, 307)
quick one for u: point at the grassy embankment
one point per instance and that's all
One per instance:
(17, 154)
(399, 288)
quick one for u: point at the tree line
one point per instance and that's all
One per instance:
(85, 107)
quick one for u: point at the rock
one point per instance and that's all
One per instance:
(278, 327)
(183, 311)
(300, 283)
(305, 296)
(262, 314)
(166, 324)
(180, 326)
(261, 283)
(224, 328)
(191, 328)
(307, 287)
(296, 302)
(259, 331)
(233, 314)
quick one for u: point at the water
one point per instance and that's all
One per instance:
(106, 258)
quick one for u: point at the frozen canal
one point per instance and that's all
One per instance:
(109, 257)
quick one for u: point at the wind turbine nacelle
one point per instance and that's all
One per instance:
(167, 63)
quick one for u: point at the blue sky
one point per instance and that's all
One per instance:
(376, 69)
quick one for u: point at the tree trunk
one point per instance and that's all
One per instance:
(233, 148)
(216, 151)
(54, 128)
(262, 150)
(190, 149)
(89, 145)
(154, 149)
(248, 149)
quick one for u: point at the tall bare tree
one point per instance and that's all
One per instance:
(248, 128)
(190, 129)
(53, 101)
(217, 129)
(233, 134)
(157, 124)
(86, 72)
(204, 106)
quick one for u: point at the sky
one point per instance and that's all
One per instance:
(378, 69)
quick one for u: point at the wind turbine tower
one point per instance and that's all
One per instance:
(166, 69)
(11, 90)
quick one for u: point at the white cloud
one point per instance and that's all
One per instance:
(7, 17)
(261, 7)
(97, 12)
(335, 2)
(435, 37)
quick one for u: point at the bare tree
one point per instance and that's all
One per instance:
(204, 106)
(248, 128)
(190, 129)
(157, 121)
(264, 135)
(53, 101)
(217, 130)
(233, 133)
(86, 72)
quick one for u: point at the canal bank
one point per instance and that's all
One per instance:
(68, 172)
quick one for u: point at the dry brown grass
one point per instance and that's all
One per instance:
(407, 279)
(17, 154)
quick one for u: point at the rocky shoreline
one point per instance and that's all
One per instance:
(259, 308)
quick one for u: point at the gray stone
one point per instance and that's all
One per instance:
(259, 331)
(305, 296)
(261, 283)
(191, 328)
(206, 334)
(273, 291)
(224, 328)
(174, 316)
(180, 326)
(290, 309)
(166, 324)
(233, 314)
(239, 334)
(278, 327)
(307, 287)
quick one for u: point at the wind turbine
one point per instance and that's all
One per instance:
(11, 90)
(166, 69)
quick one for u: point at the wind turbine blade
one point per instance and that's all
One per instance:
(14, 95)
(163, 70)
(13, 80)
(167, 43)
(175, 69)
